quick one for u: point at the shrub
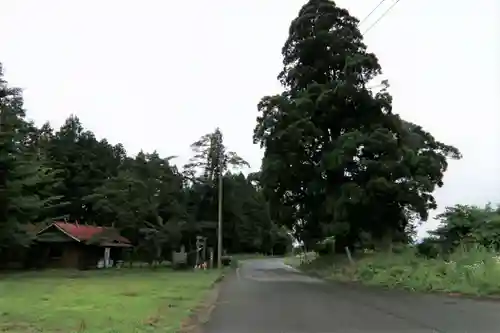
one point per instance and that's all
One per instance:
(428, 248)
(326, 246)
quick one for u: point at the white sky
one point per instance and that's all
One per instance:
(158, 74)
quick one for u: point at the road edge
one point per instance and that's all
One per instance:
(201, 314)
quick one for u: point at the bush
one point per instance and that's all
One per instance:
(428, 248)
(326, 246)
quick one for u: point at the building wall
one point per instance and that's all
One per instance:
(71, 256)
(60, 255)
(90, 255)
(68, 255)
(81, 256)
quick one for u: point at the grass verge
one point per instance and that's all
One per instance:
(135, 300)
(469, 272)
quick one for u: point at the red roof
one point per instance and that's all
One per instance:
(86, 232)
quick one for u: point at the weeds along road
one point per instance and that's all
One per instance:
(266, 296)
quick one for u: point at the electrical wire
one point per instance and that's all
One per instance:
(373, 10)
(381, 17)
(346, 64)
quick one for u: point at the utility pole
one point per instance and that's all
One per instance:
(219, 227)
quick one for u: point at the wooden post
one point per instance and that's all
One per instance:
(211, 254)
(107, 252)
(348, 252)
(204, 249)
(198, 244)
(219, 224)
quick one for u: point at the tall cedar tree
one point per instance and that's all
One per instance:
(337, 160)
(212, 157)
(210, 161)
(23, 180)
(86, 164)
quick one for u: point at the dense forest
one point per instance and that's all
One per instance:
(68, 174)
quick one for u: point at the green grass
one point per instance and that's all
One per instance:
(127, 300)
(473, 272)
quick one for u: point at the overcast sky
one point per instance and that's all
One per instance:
(157, 74)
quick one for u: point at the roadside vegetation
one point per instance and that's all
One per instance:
(461, 256)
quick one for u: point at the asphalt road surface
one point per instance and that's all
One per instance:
(267, 296)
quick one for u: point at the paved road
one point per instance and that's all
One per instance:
(266, 296)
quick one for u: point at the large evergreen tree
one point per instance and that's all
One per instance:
(24, 179)
(85, 163)
(210, 161)
(337, 160)
(211, 157)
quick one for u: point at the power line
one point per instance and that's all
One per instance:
(381, 17)
(373, 10)
(346, 64)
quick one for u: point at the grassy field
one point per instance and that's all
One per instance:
(473, 272)
(127, 300)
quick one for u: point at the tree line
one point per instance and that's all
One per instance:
(69, 174)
